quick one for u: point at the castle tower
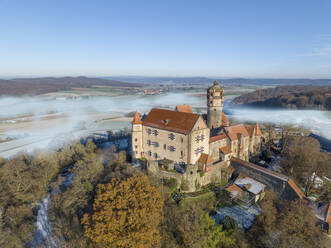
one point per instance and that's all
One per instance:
(215, 100)
(137, 137)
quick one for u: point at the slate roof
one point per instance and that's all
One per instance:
(324, 212)
(250, 184)
(260, 168)
(179, 122)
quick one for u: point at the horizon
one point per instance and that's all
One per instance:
(108, 77)
(216, 39)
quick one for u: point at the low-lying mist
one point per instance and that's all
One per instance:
(19, 106)
(317, 121)
(39, 120)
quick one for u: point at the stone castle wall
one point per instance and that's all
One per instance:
(279, 183)
(191, 178)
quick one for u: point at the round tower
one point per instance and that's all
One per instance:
(215, 100)
(137, 137)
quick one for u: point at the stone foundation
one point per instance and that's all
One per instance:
(192, 178)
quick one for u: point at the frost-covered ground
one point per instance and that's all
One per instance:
(35, 122)
(242, 215)
(43, 235)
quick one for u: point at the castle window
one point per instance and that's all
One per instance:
(136, 152)
(149, 142)
(199, 150)
(149, 153)
(165, 147)
(181, 154)
(171, 136)
(149, 131)
(135, 139)
(155, 143)
(155, 132)
(172, 148)
(136, 147)
(181, 139)
(199, 138)
(155, 155)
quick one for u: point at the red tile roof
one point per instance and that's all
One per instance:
(179, 122)
(205, 159)
(258, 130)
(328, 214)
(233, 131)
(296, 189)
(234, 190)
(218, 137)
(225, 150)
(136, 119)
(184, 108)
(250, 129)
(225, 121)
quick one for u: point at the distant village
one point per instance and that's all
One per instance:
(196, 150)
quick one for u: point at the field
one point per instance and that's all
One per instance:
(30, 122)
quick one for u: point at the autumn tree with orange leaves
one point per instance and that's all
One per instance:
(126, 214)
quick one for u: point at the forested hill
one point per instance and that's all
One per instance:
(294, 97)
(36, 86)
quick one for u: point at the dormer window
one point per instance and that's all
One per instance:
(165, 122)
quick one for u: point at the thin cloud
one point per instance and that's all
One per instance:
(323, 50)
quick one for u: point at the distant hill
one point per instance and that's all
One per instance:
(36, 86)
(232, 81)
(295, 97)
(163, 80)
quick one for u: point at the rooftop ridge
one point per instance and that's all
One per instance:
(171, 120)
(328, 214)
(259, 168)
(296, 189)
(217, 137)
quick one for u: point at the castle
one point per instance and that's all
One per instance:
(200, 143)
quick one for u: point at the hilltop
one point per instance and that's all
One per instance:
(37, 86)
(294, 97)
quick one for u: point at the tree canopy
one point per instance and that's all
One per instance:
(125, 213)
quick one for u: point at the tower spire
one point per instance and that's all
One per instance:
(136, 119)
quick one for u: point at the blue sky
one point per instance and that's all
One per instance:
(166, 38)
